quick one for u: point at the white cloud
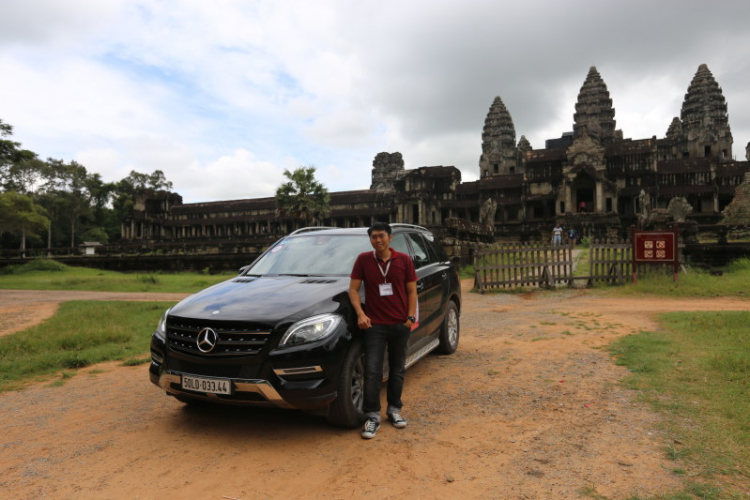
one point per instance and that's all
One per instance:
(236, 176)
(223, 96)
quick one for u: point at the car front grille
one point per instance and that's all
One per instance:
(233, 338)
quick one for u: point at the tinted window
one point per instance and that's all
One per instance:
(421, 252)
(437, 250)
(312, 254)
(399, 244)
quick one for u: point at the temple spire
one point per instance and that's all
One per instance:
(499, 153)
(705, 121)
(594, 114)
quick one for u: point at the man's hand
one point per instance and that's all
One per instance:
(363, 321)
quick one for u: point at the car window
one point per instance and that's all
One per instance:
(399, 244)
(421, 254)
(312, 254)
(436, 251)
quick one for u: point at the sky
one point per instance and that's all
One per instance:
(223, 96)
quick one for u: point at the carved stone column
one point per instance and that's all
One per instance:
(598, 203)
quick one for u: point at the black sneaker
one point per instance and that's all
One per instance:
(397, 420)
(371, 428)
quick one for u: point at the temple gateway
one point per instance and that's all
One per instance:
(592, 179)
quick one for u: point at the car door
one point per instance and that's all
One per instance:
(429, 287)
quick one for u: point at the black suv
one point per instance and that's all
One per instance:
(284, 333)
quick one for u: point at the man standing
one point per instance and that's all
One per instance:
(557, 233)
(390, 306)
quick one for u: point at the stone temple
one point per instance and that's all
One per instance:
(593, 179)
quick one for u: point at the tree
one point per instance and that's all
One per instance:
(302, 196)
(19, 214)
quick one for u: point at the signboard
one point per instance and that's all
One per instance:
(654, 247)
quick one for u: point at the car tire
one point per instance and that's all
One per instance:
(450, 330)
(346, 409)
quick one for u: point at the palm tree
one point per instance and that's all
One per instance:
(302, 197)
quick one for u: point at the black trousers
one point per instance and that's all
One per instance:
(377, 338)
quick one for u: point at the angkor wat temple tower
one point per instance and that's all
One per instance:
(703, 127)
(594, 114)
(499, 153)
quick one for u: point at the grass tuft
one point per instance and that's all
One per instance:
(696, 371)
(45, 274)
(111, 331)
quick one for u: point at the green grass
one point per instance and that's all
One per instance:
(50, 275)
(696, 371)
(696, 283)
(81, 334)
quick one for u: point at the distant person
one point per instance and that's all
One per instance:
(557, 233)
(572, 236)
(582, 206)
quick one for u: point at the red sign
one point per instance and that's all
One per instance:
(653, 246)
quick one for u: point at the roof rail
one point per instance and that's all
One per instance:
(414, 226)
(311, 229)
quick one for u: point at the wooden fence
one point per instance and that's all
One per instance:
(540, 265)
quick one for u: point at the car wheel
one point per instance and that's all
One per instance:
(346, 410)
(450, 330)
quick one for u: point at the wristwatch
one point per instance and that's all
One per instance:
(412, 319)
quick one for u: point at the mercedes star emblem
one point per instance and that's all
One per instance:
(207, 340)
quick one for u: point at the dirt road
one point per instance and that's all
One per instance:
(529, 407)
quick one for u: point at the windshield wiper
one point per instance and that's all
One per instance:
(296, 275)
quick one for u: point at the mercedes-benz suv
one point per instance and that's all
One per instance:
(283, 332)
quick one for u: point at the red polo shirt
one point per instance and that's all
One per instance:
(389, 309)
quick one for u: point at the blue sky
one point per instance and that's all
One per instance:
(223, 96)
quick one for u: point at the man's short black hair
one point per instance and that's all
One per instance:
(379, 226)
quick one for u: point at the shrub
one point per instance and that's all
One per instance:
(35, 265)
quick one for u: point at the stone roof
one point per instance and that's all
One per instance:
(542, 155)
(501, 181)
(630, 146)
(437, 171)
(683, 165)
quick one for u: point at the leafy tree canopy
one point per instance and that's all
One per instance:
(302, 196)
(19, 213)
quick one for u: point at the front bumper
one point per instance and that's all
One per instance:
(248, 392)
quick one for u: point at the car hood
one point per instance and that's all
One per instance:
(267, 299)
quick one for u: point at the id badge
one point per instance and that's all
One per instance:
(386, 289)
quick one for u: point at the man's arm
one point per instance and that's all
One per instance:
(411, 300)
(363, 321)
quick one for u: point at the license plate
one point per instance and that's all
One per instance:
(210, 385)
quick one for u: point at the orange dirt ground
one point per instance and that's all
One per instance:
(529, 407)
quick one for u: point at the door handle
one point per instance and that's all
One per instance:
(420, 285)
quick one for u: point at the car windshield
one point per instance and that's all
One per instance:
(312, 255)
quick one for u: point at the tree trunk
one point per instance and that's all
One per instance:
(49, 239)
(23, 243)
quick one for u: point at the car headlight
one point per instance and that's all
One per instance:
(310, 330)
(161, 328)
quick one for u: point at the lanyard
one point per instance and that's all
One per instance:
(384, 273)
